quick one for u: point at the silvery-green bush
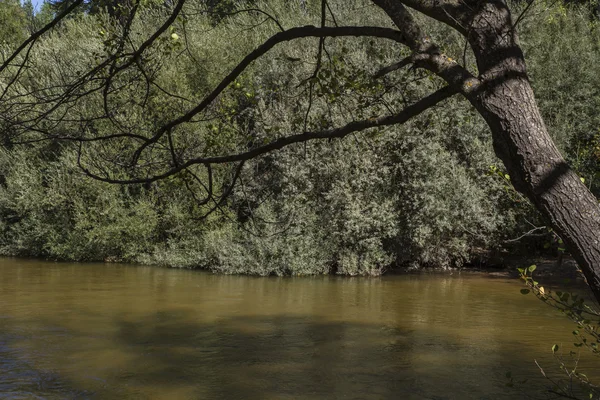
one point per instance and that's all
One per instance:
(420, 194)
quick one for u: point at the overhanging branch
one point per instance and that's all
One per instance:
(280, 37)
(394, 67)
(352, 127)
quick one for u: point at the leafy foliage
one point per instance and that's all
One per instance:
(426, 193)
(12, 20)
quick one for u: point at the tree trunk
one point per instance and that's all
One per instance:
(521, 140)
(502, 94)
(538, 170)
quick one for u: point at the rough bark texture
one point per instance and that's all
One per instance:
(503, 95)
(521, 140)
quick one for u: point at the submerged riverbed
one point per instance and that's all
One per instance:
(107, 331)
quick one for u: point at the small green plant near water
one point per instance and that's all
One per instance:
(570, 382)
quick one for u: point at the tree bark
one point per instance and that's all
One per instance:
(503, 95)
(538, 170)
(521, 140)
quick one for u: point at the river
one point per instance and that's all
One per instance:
(108, 331)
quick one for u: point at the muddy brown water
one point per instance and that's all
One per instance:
(105, 331)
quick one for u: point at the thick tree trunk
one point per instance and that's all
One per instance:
(503, 96)
(521, 140)
(538, 170)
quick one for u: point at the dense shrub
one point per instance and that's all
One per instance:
(413, 195)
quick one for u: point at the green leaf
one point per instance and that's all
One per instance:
(532, 268)
(525, 291)
(555, 348)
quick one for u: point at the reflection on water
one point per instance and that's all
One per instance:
(112, 331)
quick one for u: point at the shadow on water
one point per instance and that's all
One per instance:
(132, 333)
(278, 357)
(20, 379)
(269, 358)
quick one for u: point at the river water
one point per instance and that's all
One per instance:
(106, 331)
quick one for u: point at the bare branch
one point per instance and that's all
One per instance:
(454, 13)
(281, 37)
(356, 126)
(246, 10)
(31, 39)
(427, 54)
(529, 233)
(394, 67)
(522, 15)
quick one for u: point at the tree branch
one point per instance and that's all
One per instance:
(280, 37)
(31, 39)
(355, 126)
(427, 54)
(394, 67)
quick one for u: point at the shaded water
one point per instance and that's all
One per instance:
(113, 331)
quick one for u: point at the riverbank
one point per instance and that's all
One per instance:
(546, 267)
(502, 267)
